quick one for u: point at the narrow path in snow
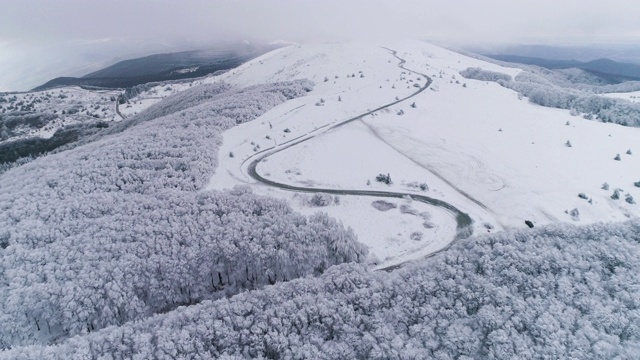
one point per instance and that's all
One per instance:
(118, 109)
(463, 220)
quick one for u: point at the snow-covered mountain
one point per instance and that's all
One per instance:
(190, 226)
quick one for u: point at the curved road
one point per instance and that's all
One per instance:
(118, 108)
(463, 220)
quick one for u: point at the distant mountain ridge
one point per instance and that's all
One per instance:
(163, 67)
(620, 52)
(604, 67)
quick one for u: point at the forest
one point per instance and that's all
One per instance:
(554, 292)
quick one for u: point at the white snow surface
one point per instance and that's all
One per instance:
(475, 144)
(633, 96)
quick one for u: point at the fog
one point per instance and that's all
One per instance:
(31, 31)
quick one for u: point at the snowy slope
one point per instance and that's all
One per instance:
(525, 170)
(451, 140)
(633, 96)
(475, 144)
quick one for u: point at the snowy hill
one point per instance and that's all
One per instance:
(475, 144)
(164, 67)
(245, 215)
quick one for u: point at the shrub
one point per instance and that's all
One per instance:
(383, 205)
(575, 214)
(406, 209)
(616, 194)
(384, 178)
(320, 200)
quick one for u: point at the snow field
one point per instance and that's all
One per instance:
(393, 236)
(345, 157)
(633, 96)
(474, 143)
(524, 171)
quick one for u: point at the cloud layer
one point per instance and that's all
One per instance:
(453, 20)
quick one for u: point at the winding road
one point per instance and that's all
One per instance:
(118, 108)
(463, 220)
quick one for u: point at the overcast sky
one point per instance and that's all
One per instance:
(456, 20)
(26, 25)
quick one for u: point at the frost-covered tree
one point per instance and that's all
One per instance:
(320, 200)
(484, 75)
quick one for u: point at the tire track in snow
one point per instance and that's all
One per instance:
(425, 167)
